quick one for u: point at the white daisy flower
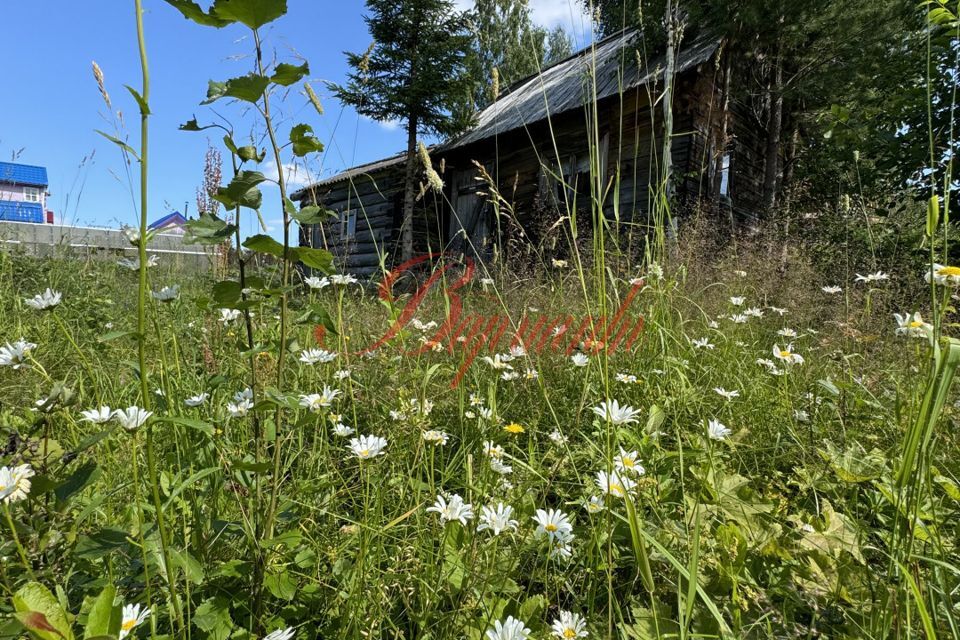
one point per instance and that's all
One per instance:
(832, 289)
(131, 418)
(229, 315)
(879, 276)
(15, 355)
(702, 343)
(579, 360)
(787, 354)
(626, 378)
(367, 447)
(315, 356)
(754, 312)
(317, 283)
(498, 362)
(15, 483)
(739, 318)
(492, 450)
(717, 431)
(166, 294)
(452, 509)
(557, 438)
(610, 410)
(133, 616)
(912, 325)
(569, 626)
(554, 524)
(614, 483)
(197, 400)
(435, 437)
(240, 408)
(787, 332)
(509, 629)
(342, 430)
(280, 634)
(500, 467)
(97, 416)
(627, 461)
(342, 279)
(737, 301)
(497, 519)
(46, 300)
(342, 374)
(729, 395)
(594, 505)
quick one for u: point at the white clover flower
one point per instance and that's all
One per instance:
(627, 461)
(314, 356)
(46, 300)
(342, 430)
(702, 343)
(452, 509)
(878, 276)
(15, 355)
(610, 410)
(280, 634)
(509, 629)
(497, 519)
(569, 626)
(579, 360)
(131, 418)
(166, 294)
(786, 354)
(15, 483)
(729, 395)
(912, 325)
(367, 447)
(717, 431)
(342, 279)
(435, 437)
(554, 524)
(317, 283)
(832, 289)
(787, 332)
(97, 416)
(197, 400)
(239, 408)
(132, 617)
(229, 315)
(614, 484)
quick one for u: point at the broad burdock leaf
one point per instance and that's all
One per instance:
(253, 13)
(213, 616)
(242, 191)
(207, 229)
(315, 258)
(248, 88)
(312, 214)
(38, 610)
(192, 11)
(262, 243)
(304, 141)
(286, 74)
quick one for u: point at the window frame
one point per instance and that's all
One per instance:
(32, 194)
(348, 224)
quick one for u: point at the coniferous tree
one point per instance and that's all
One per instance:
(414, 72)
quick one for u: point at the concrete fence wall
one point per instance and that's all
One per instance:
(92, 242)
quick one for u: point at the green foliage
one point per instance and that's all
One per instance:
(248, 88)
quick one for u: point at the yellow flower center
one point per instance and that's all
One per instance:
(916, 324)
(550, 527)
(513, 427)
(785, 354)
(3, 487)
(569, 633)
(129, 624)
(627, 462)
(364, 453)
(617, 489)
(948, 271)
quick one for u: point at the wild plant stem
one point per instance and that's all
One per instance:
(16, 541)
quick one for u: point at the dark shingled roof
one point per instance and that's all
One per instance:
(559, 88)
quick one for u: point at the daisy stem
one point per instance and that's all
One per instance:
(76, 347)
(16, 541)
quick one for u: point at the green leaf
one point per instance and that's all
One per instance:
(208, 229)
(248, 88)
(227, 292)
(314, 258)
(38, 610)
(104, 618)
(264, 244)
(144, 107)
(213, 616)
(113, 335)
(79, 479)
(312, 214)
(286, 74)
(253, 13)
(304, 141)
(249, 152)
(192, 11)
(99, 544)
(281, 585)
(242, 191)
(120, 143)
(192, 125)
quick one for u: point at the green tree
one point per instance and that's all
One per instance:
(415, 72)
(507, 46)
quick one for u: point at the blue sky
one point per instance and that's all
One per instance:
(51, 106)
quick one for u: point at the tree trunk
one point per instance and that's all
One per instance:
(668, 99)
(409, 192)
(774, 126)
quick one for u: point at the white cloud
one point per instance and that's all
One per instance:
(388, 125)
(294, 175)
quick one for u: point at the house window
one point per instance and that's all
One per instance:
(31, 194)
(725, 175)
(348, 224)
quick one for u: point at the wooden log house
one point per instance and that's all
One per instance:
(543, 142)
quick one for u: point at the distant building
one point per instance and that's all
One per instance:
(23, 193)
(170, 223)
